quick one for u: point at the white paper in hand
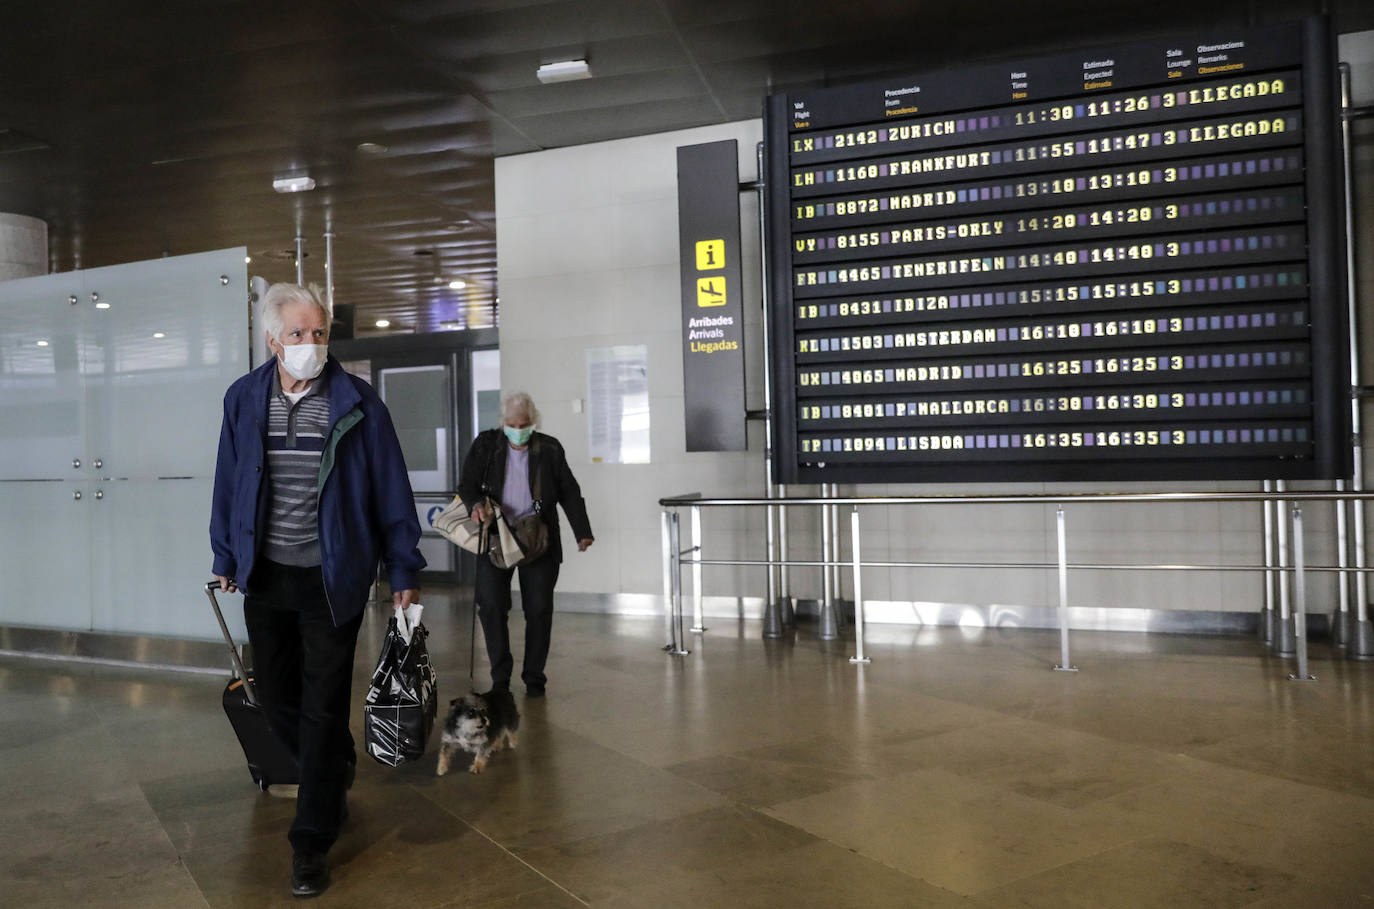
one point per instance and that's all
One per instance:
(407, 619)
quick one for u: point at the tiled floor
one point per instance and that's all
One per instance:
(956, 770)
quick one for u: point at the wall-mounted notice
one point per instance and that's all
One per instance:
(712, 312)
(618, 404)
(1118, 263)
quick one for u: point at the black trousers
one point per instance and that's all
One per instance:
(536, 599)
(304, 671)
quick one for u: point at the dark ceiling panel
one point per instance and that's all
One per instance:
(618, 57)
(156, 126)
(570, 23)
(577, 128)
(595, 96)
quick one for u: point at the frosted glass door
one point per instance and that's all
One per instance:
(158, 361)
(151, 559)
(45, 553)
(42, 420)
(159, 356)
(129, 383)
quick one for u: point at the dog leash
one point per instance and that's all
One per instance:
(472, 637)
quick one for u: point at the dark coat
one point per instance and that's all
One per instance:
(484, 474)
(366, 510)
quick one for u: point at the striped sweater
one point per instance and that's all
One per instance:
(296, 436)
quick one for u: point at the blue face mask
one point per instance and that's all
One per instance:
(518, 436)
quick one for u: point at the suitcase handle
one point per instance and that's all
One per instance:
(242, 673)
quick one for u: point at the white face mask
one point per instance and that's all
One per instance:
(304, 361)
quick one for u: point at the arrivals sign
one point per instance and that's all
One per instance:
(712, 312)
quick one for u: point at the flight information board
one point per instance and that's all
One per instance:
(1114, 264)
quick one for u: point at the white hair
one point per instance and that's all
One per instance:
(519, 402)
(280, 295)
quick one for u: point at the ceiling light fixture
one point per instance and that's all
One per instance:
(457, 284)
(373, 148)
(159, 334)
(564, 71)
(42, 343)
(297, 183)
(383, 323)
(102, 305)
(247, 260)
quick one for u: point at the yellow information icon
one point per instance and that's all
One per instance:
(711, 291)
(710, 254)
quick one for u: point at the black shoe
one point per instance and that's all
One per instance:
(309, 874)
(534, 691)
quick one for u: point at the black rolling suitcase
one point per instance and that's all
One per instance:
(269, 761)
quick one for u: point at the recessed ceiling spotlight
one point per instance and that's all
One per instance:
(247, 260)
(457, 284)
(373, 148)
(42, 343)
(295, 183)
(102, 305)
(563, 71)
(383, 323)
(159, 334)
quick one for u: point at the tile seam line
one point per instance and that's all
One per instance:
(692, 60)
(167, 838)
(477, 830)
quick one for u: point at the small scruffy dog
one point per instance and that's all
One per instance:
(480, 723)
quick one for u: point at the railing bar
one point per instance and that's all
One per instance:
(1286, 496)
(1023, 565)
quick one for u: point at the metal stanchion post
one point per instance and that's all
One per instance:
(698, 620)
(1360, 637)
(1340, 624)
(1299, 600)
(1283, 642)
(667, 535)
(858, 656)
(1064, 664)
(836, 577)
(676, 648)
(1266, 628)
(786, 608)
(773, 618)
(830, 627)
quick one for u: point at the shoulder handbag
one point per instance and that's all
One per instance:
(524, 539)
(521, 541)
(457, 526)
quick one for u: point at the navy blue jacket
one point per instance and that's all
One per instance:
(366, 510)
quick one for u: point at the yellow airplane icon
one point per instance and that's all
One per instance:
(711, 291)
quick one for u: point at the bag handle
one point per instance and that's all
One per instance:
(239, 670)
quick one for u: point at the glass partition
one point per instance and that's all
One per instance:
(486, 389)
(418, 398)
(106, 502)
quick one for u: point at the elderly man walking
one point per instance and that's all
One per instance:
(311, 492)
